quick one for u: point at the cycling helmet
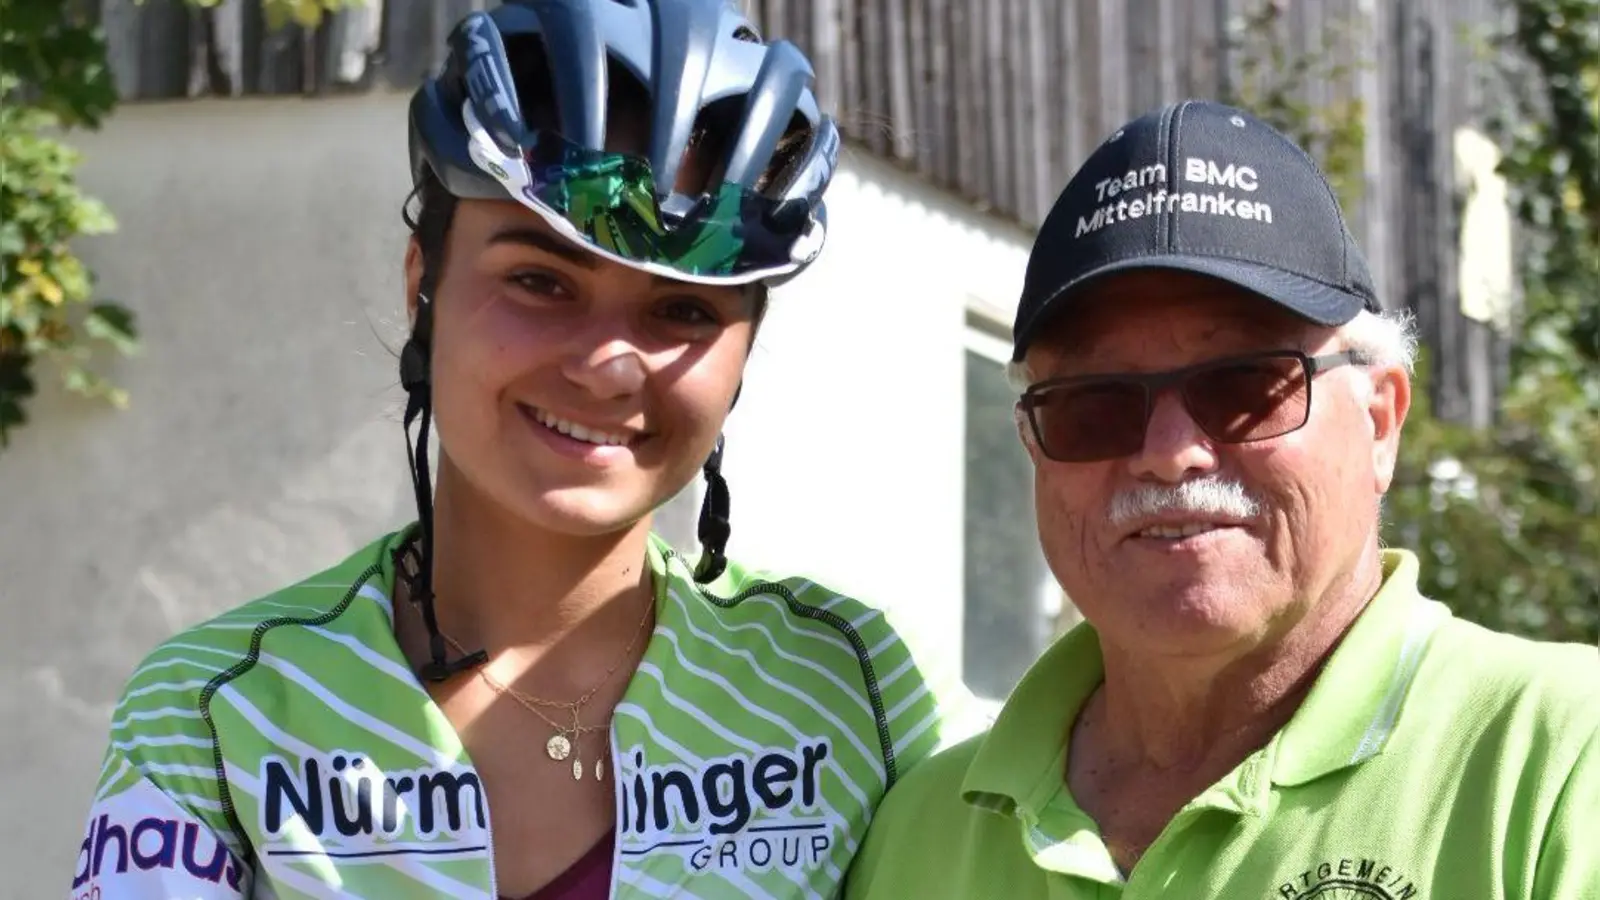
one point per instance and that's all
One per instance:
(519, 111)
(535, 132)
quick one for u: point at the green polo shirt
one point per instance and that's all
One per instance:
(1432, 759)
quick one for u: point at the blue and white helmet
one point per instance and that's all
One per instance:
(535, 131)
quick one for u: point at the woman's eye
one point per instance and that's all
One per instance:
(540, 283)
(689, 312)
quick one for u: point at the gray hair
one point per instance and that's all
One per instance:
(1388, 338)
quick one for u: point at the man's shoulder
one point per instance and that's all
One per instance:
(1558, 682)
(1524, 707)
(927, 837)
(934, 788)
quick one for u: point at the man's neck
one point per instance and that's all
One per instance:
(1210, 713)
(515, 589)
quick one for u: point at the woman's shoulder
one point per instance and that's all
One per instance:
(800, 606)
(823, 637)
(178, 670)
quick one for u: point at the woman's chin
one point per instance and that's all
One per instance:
(585, 512)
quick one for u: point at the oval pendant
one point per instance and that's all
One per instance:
(600, 769)
(577, 769)
(558, 747)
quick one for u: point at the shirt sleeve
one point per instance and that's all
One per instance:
(143, 841)
(1569, 860)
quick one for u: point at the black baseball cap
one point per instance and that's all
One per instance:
(1199, 187)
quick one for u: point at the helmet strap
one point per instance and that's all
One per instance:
(414, 377)
(714, 524)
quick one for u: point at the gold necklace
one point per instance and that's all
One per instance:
(561, 744)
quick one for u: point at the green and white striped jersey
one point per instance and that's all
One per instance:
(285, 750)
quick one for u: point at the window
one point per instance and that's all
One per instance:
(1012, 602)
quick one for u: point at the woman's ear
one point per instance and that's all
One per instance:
(413, 278)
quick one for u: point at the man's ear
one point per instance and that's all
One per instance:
(1388, 406)
(413, 277)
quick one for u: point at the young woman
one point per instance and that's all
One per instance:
(526, 693)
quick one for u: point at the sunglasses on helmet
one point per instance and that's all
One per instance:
(607, 202)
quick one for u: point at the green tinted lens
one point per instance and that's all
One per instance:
(610, 199)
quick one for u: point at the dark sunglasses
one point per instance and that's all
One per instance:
(1235, 400)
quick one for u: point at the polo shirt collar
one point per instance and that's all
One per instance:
(1353, 707)
(1021, 760)
(1346, 718)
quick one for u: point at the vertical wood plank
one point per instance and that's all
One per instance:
(278, 62)
(1441, 186)
(874, 61)
(897, 24)
(800, 23)
(846, 28)
(1227, 65)
(1199, 75)
(147, 47)
(1071, 95)
(1115, 71)
(918, 86)
(825, 55)
(1042, 123)
(1000, 103)
(1373, 89)
(973, 148)
(1143, 47)
(408, 39)
(990, 50)
(1091, 53)
(1169, 53)
(775, 20)
(939, 90)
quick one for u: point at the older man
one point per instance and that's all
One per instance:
(1260, 705)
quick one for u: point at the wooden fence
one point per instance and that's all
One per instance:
(995, 100)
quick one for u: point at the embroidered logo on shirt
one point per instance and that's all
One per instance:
(1349, 878)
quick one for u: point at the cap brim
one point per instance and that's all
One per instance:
(1313, 301)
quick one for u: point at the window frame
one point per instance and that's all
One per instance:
(988, 335)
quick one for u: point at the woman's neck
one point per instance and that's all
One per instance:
(512, 589)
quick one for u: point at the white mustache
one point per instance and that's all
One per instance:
(1211, 495)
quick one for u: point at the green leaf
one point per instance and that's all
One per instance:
(113, 324)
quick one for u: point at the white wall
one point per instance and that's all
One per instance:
(260, 244)
(845, 454)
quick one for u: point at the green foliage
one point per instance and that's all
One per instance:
(54, 76)
(1549, 55)
(1507, 525)
(1506, 521)
(1553, 164)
